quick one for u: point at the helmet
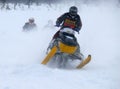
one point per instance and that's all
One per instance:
(73, 10)
(31, 20)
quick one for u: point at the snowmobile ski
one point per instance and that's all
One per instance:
(49, 55)
(84, 62)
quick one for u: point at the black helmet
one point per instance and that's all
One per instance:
(73, 10)
(31, 20)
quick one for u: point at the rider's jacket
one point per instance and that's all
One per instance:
(67, 20)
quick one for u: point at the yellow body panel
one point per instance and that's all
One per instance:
(63, 48)
(67, 49)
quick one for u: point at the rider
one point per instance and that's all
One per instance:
(70, 20)
(30, 25)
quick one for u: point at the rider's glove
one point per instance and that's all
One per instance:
(76, 29)
(57, 24)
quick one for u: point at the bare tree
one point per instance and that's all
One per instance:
(7, 7)
(3, 3)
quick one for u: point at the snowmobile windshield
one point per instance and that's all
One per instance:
(68, 39)
(68, 30)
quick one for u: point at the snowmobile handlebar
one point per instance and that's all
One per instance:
(70, 28)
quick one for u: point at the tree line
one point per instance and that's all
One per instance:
(5, 3)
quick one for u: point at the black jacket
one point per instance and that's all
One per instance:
(29, 26)
(67, 20)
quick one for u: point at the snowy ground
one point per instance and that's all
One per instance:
(22, 52)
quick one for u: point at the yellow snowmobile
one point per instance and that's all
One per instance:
(65, 48)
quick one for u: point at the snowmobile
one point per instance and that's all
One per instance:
(64, 49)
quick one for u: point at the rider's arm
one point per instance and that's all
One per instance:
(79, 23)
(60, 19)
